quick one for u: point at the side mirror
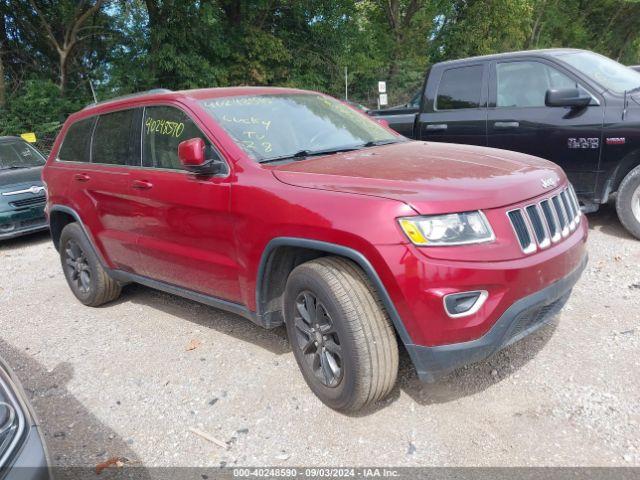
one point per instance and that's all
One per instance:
(566, 97)
(193, 157)
(383, 122)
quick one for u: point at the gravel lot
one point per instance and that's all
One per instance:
(119, 381)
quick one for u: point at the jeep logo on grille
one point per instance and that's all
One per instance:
(548, 182)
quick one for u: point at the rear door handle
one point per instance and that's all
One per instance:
(504, 125)
(81, 177)
(435, 127)
(141, 185)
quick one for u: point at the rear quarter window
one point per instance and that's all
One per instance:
(75, 145)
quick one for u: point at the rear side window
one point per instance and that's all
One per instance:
(75, 146)
(163, 129)
(116, 139)
(460, 88)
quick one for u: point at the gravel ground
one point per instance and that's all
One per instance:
(120, 380)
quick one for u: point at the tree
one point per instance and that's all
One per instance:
(63, 26)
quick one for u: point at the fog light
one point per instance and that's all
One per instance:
(7, 227)
(464, 304)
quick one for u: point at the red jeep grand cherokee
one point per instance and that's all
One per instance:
(289, 207)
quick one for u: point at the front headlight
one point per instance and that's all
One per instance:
(12, 419)
(446, 230)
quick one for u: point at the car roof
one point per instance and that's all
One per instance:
(546, 52)
(10, 137)
(195, 94)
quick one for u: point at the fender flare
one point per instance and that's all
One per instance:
(335, 249)
(76, 216)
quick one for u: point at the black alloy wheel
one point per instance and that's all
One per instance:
(318, 339)
(77, 266)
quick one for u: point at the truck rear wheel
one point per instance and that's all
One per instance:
(628, 202)
(340, 334)
(88, 280)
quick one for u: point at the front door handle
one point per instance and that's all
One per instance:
(81, 177)
(141, 185)
(505, 125)
(436, 127)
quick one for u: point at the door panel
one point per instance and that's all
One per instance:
(184, 226)
(519, 120)
(456, 112)
(99, 185)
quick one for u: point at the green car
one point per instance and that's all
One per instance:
(22, 193)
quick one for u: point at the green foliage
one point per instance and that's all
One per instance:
(133, 45)
(36, 106)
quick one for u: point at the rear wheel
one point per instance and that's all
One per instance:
(340, 334)
(88, 280)
(628, 202)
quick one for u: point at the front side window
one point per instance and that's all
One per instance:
(525, 84)
(276, 126)
(163, 128)
(75, 146)
(460, 88)
(114, 139)
(19, 154)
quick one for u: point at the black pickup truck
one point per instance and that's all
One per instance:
(574, 107)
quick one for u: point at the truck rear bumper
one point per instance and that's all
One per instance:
(521, 319)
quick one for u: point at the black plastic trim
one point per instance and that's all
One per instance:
(238, 309)
(335, 249)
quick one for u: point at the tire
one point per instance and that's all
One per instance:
(628, 202)
(349, 316)
(88, 280)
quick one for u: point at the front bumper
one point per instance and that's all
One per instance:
(22, 222)
(521, 319)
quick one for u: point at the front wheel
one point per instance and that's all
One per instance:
(628, 202)
(340, 334)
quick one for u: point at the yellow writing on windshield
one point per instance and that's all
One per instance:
(164, 127)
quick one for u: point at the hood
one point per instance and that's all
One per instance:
(20, 176)
(431, 177)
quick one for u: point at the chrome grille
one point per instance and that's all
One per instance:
(540, 224)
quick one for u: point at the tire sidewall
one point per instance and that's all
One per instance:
(73, 232)
(306, 279)
(624, 202)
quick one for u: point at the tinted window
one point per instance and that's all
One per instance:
(19, 154)
(460, 88)
(116, 140)
(525, 84)
(75, 146)
(162, 131)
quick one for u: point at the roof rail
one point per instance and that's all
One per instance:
(131, 95)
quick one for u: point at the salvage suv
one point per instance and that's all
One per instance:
(290, 207)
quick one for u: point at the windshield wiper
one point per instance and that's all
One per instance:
(309, 153)
(377, 143)
(13, 167)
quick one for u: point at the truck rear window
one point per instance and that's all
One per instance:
(460, 88)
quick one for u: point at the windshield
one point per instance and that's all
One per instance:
(269, 127)
(19, 154)
(608, 73)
